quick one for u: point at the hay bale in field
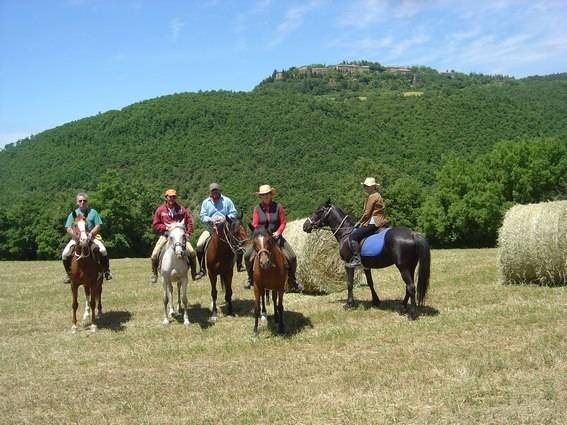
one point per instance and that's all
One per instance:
(319, 266)
(532, 244)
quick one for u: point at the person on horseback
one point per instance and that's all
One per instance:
(94, 223)
(271, 215)
(166, 213)
(216, 208)
(370, 222)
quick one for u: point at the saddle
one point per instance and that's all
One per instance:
(373, 245)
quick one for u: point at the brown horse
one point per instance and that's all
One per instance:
(226, 240)
(269, 273)
(86, 271)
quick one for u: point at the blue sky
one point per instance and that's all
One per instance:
(63, 60)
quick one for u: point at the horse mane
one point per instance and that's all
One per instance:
(260, 231)
(328, 203)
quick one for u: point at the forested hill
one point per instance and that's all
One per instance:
(437, 142)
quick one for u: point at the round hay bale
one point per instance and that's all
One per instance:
(532, 244)
(319, 266)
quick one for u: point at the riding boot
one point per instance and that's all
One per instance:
(67, 265)
(249, 272)
(106, 266)
(201, 261)
(155, 264)
(239, 266)
(192, 260)
(355, 259)
(292, 283)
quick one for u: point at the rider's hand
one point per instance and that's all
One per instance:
(90, 236)
(275, 235)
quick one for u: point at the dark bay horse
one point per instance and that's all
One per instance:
(402, 247)
(269, 273)
(86, 271)
(226, 240)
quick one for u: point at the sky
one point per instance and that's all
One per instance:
(63, 60)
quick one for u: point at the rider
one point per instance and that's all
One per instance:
(94, 223)
(372, 219)
(216, 208)
(166, 213)
(271, 215)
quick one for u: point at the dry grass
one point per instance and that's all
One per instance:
(479, 353)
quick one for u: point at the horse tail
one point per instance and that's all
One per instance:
(424, 267)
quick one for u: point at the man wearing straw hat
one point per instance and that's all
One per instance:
(271, 215)
(164, 214)
(372, 219)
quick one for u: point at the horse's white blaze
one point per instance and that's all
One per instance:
(81, 224)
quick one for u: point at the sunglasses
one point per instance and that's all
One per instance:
(82, 200)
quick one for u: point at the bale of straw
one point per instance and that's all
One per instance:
(532, 244)
(319, 266)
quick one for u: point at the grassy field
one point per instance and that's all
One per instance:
(480, 353)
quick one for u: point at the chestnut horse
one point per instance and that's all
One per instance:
(86, 271)
(403, 248)
(226, 240)
(269, 273)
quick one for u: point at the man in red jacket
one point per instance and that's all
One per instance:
(166, 213)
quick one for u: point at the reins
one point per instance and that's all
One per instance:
(317, 227)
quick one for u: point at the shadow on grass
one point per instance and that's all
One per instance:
(114, 320)
(394, 306)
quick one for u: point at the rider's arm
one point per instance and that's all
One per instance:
(205, 215)
(188, 223)
(157, 224)
(255, 218)
(282, 220)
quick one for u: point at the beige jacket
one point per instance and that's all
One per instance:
(374, 207)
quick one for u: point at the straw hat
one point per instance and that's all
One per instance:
(170, 192)
(369, 181)
(264, 189)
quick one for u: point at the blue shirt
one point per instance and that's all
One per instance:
(92, 218)
(221, 208)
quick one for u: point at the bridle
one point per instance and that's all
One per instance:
(317, 224)
(179, 244)
(229, 238)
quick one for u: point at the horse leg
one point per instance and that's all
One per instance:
(257, 297)
(87, 312)
(263, 312)
(350, 278)
(227, 281)
(281, 327)
(375, 299)
(186, 321)
(214, 292)
(407, 277)
(99, 304)
(166, 299)
(274, 296)
(74, 305)
(93, 297)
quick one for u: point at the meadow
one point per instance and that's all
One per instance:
(479, 353)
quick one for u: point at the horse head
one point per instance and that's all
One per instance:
(263, 244)
(319, 218)
(177, 237)
(80, 228)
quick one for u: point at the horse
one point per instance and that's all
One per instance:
(86, 270)
(403, 248)
(173, 268)
(269, 273)
(227, 238)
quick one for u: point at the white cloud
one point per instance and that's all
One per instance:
(293, 20)
(175, 27)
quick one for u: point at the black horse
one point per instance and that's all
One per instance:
(402, 247)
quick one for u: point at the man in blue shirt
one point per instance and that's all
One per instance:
(216, 208)
(93, 227)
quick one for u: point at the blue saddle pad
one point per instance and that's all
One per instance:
(374, 244)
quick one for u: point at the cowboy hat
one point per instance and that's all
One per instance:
(264, 189)
(369, 181)
(214, 186)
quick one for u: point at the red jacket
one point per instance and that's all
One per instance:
(164, 215)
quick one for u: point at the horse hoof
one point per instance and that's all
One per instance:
(73, 329)
(165, 322)
(348, 306)
(263, 318)
(186, 323)
(93, 328)
(213, 319)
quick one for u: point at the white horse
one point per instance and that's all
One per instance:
(174, 269)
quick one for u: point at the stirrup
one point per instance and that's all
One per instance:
(108, 275)
(247, 284)
(153, 278)
(353, 263)
(199, 275)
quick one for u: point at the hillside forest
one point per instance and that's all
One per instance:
(452, 153)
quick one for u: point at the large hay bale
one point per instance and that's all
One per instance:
(532, 244)
(319, 266)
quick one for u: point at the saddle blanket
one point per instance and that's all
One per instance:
(374, 244)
